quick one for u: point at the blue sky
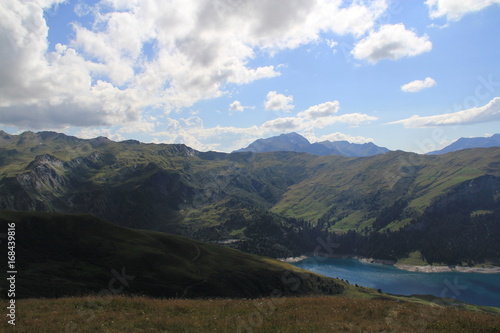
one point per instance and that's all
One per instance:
(216, 75)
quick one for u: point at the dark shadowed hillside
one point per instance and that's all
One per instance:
(67, 255)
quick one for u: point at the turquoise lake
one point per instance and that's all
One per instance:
(474, 288)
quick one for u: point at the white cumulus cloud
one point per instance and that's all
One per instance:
(454, 10)
(41, 89)
(321, 110)
(278, 102)
(391, 41)
(284, 124)
(417, 85)
(237, 107)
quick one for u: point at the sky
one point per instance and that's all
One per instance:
(218, 74)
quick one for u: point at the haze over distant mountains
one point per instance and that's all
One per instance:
(466, 143)
(297, 143)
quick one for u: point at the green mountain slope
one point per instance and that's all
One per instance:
(276, 204)
(351, 194)
(139, 185)
(74, 254)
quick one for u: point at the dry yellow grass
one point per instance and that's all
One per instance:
(309, 314)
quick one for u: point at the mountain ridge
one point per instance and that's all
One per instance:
(467, 143)
(297, 143)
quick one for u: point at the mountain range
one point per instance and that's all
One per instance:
(297, 143)
(276, 204)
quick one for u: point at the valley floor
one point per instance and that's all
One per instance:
(308, 314)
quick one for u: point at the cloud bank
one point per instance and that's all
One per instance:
(487, 113)
(192, 131)
(454, 10)
(140, 55)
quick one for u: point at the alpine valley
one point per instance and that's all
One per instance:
(126, 236)
(441, 208)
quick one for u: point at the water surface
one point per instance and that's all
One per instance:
(474, 288)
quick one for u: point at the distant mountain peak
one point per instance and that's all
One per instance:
(283, 142)
(295, 138)
(297, 143)
(467, 143)
(294, 135)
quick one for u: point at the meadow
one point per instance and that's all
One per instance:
(293, 314)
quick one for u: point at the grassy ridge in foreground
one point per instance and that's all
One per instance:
(309, 314)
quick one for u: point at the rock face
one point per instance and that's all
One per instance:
(76, 186)
(297, 143)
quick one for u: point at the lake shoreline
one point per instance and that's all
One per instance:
(410, 268)
(440, 269)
